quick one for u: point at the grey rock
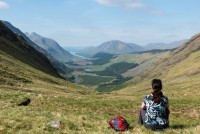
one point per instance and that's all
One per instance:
(55, 123)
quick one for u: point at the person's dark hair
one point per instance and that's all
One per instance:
(156, 84)
(157, 87)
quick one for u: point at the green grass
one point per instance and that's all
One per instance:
(86, 111)
(94, 80)
(89, 113)
(102, 58)
(116, 69)
(133, 58)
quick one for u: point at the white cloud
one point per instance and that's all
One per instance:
(123, 3)
(3, 5)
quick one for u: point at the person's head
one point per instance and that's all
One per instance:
(157, 87)
(156, 84)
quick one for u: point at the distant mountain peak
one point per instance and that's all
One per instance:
(32, 34)
(115, 41)
(18, 48)
(51, 46)
(60, 67)
(114, 47)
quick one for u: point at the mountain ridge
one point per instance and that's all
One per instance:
(178, 63)
(120, 47)
(60, 67)
(112, 47)
(19, 32)
(51, 46)
(117, 47)
(17, 47)
(162, 46)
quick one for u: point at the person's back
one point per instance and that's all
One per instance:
(155, 111)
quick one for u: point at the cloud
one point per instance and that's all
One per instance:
(134, 4)
(3, 5)
(131, 4)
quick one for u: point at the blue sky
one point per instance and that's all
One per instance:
(92, 22)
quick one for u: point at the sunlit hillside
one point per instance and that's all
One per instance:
(26, 73)
(180, 74)
(181, 62)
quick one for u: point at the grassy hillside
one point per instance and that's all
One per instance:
(122, 68)
(102, 58)
(180, 72)
(82, 111)
(182, 62)
(26, 73)
(88, 112)
(184, 99)
(94, 80)
(139, 58)
(48, 96)
(63, 70)
(116, 69)
(17, 47)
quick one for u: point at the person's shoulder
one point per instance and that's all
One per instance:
(165, 98)
(148, 96)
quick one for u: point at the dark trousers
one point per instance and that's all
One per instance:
(142, 118)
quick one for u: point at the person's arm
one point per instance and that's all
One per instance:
(167, 106)
(167, 109)
(143, 106)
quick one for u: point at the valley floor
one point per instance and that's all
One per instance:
(84, 111)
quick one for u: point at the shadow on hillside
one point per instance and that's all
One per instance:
(179, 126)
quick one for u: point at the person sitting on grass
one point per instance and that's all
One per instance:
(154, 113)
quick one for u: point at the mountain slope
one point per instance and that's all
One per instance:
(19, 32)
(182, 62)
(112, 47)
(60, 67)
(180, 73)
(181, 54)
(161, 46)
(117, 47)
(25, 70)
(51, 47)
(17, 47)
